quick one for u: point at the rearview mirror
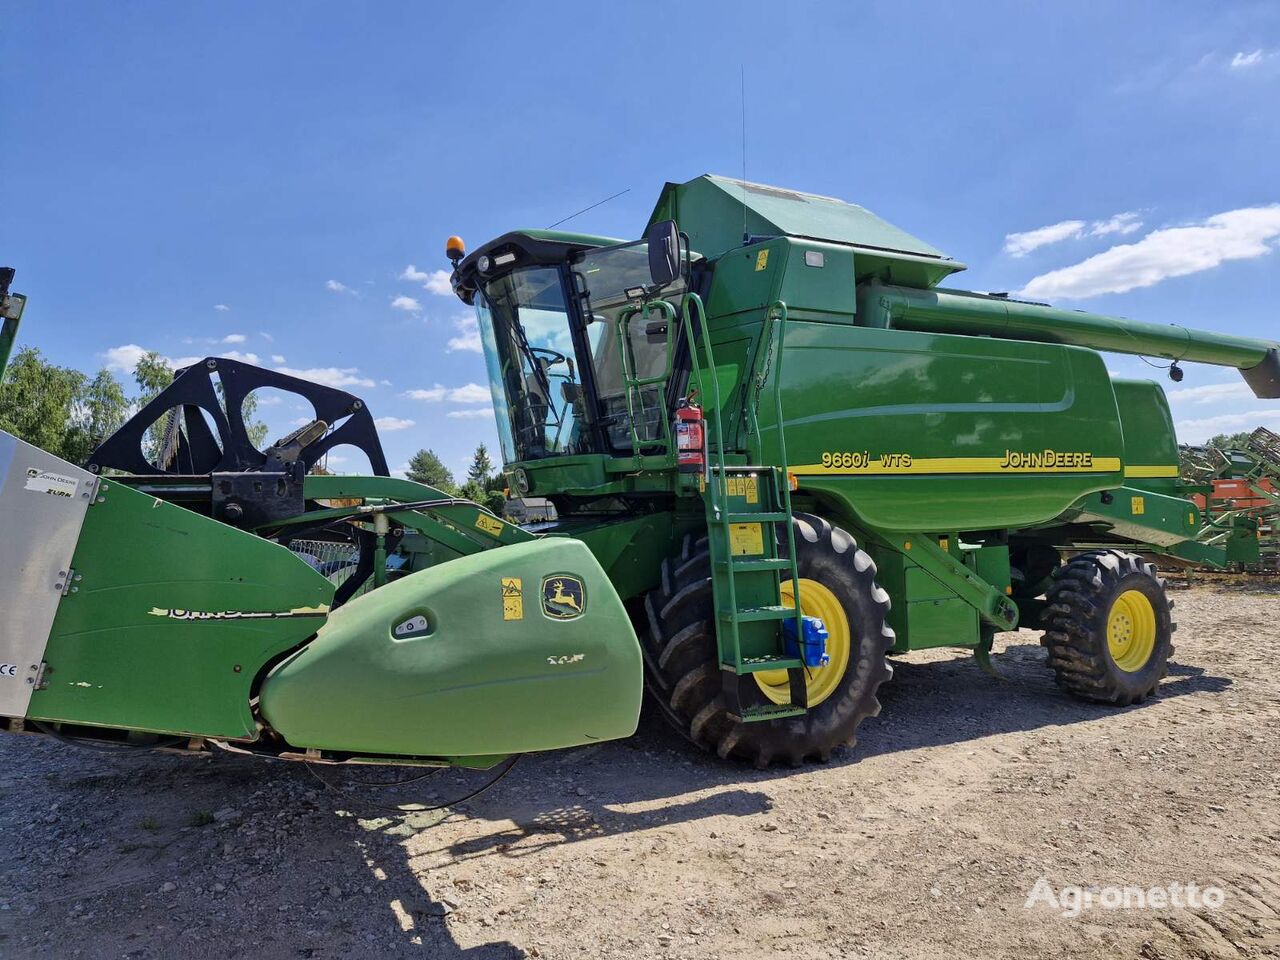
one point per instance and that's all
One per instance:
(664, 252)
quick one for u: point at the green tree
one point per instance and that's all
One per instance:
(481, 468)
(97, 412)
(256, 429)
(492, 499)
(495, 501)
(37, 398)
(152, 373)
(426, 467)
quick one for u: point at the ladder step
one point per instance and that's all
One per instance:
(761, 664)
(773, 516)
(754, 614)
(747, 566)
(773, 711)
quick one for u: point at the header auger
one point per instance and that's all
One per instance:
(777, 460)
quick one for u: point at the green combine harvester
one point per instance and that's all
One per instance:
(780, 454)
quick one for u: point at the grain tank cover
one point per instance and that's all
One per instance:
(711, 210)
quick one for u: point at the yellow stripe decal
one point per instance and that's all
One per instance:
(896, 464)
(1150, 472)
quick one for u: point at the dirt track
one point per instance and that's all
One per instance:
(924, 842)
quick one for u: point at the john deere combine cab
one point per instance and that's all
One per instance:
(779, 454)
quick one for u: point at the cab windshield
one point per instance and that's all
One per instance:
(528, 349)
(534, 361)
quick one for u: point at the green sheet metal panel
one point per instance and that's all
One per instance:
(495, 670)
(925, 612)
(924, 432)
(1150, 443)
(717, 211)
(1140, 514)
(172, 617)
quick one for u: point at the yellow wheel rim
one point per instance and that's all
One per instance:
(815, 601)
(1131, 631)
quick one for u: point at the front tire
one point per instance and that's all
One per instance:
(1109, 627)
(683, 674)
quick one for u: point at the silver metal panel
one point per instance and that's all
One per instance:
(42, 505)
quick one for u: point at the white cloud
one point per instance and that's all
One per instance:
(221, 306)
(124, 358)
(1199, 430)
(1171, 252)
(433, 281)
(234, 338)
(338, 287)
(1020, 244)
(408, 304)
(389, 424)
(438, 283)
(277, 358)
(468, 337)
(329, 376)
(470, 414)
(1211, 393)
(1242, 59)
(469, 393)
(433, 395)
(230, 355)
(1122, 223)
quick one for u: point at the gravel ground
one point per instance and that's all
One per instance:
(923, 842)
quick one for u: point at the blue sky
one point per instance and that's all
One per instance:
(278, 180)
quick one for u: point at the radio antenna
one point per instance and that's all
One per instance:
(592, 207)
(742, 85)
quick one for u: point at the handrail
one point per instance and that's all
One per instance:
(718, 494)
(631, 382)
(779, 308)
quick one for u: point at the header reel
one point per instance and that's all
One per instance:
(206, 450)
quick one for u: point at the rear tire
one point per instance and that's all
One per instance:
(683, 672)
(1109, 627)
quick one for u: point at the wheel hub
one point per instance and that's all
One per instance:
(816, 600)
(1131, 631)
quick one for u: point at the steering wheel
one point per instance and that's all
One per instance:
(553, 356)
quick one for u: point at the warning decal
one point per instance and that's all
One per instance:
(746, 539)
(512, 599)
(490, 525)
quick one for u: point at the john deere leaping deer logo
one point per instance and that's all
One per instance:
(563, 597)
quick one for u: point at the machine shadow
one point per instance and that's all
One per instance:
(926, 705)
(653, 780)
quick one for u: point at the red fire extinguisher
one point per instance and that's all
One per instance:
(691, 456)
